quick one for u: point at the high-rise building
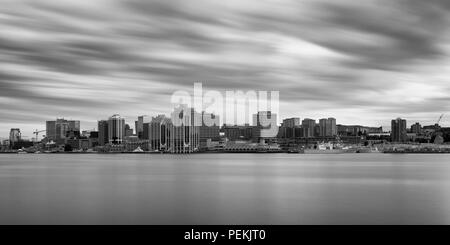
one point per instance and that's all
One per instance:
(103, 132)
(14, 136)
(317, 130)
(59, 130)
(327, 127)
(331, 126)
(398, 130)
(62, 127)
(159, 133)
(416, 128)
(51, 130)
(184, 135)
(323, 127)
(74, 125)
(139, 125)
(308, 126)
(289, 127)
(116, 129)
(146, 131)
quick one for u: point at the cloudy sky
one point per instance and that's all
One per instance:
(363, 62)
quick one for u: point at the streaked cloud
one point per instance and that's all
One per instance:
(361, 62)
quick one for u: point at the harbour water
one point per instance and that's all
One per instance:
(224, 189)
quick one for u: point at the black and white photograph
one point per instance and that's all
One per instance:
(224, 113)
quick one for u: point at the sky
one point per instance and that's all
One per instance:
(362, 62)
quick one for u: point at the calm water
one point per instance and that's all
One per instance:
(225, 189)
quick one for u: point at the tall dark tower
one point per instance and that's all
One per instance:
(103, 136)
(398, 130)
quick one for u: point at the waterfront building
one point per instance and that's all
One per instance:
(184, 134)
(58, 130)
(290, 128)
(317, 130)
(323, 127)
(159, 133)
(398, 130)
(331, 127)
(139, 125)
(416, 128)
(258, 134)
(250, 147)
(327, 127)
(116, 129)
(14, 136)
(5, 145)
(210, 131)
(146, 131)
(93, 139)
(291, 122)
(103, 132)
(308, 126)
(134, 144)
(237, 132)
(50, 130)
(357, 130)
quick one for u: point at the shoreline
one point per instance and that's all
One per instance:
(168, 153)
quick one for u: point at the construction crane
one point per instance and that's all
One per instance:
(439, 120)
(37, 132)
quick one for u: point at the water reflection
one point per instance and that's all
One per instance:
(225, 189)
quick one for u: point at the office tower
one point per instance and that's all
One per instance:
(116, 129)
(398, 130)
(146, 131)
(159, 133)
(74, 125)
(323, 127)
(103, 132)
(62, 127)
(308, 126)
(317, 130)
(58, 130)
(209, 130)
(50, 130)
(416, 128)
(331, 126)
(14, 136)
(184, 134)
(139, 124)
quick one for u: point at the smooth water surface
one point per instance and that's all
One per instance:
(224, 189)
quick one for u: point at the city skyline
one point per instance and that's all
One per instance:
(89, 60)
(132, 122)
